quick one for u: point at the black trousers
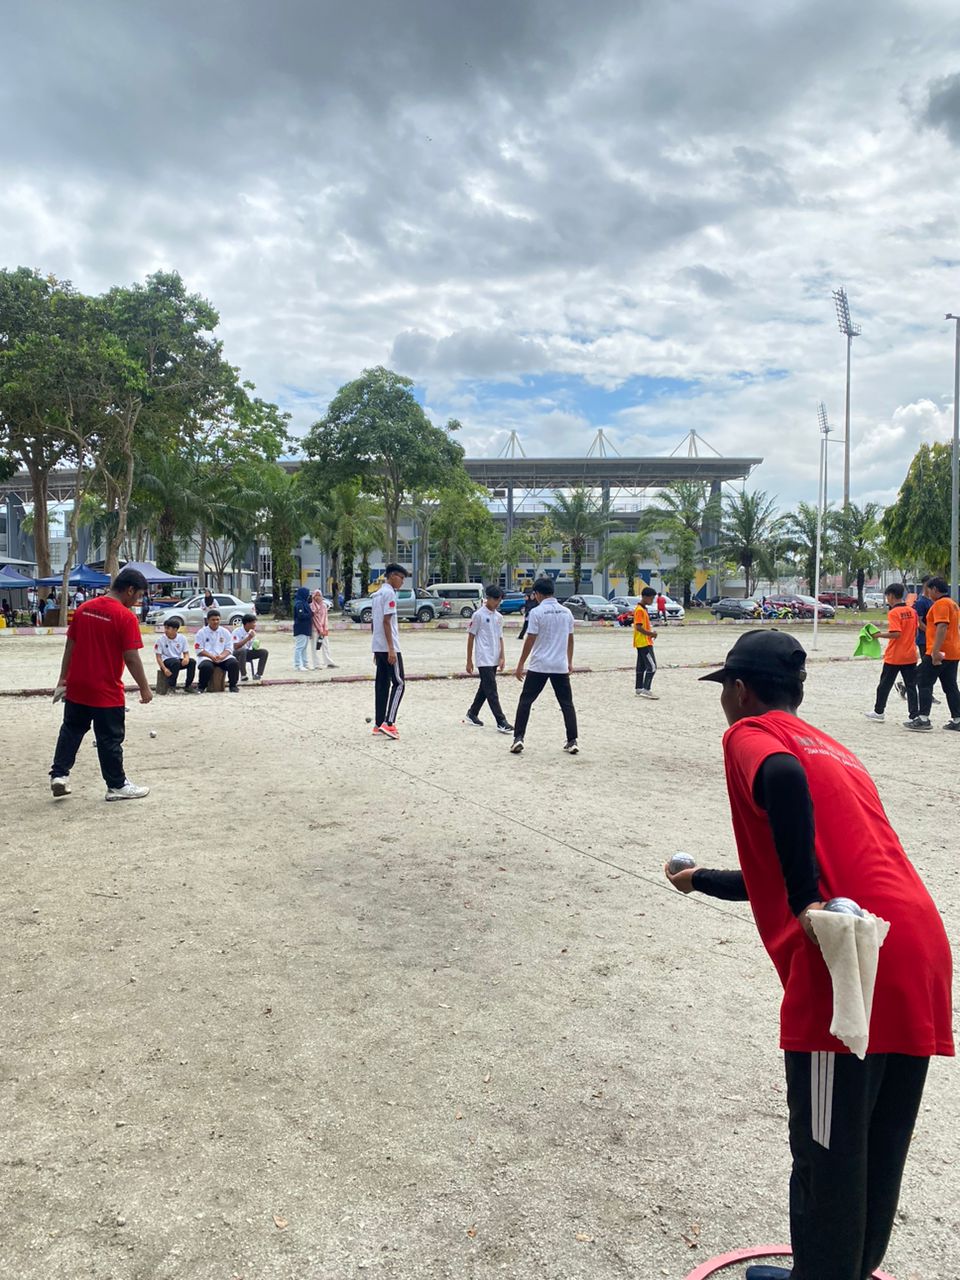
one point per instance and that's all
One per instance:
(109, 726)
(646, 667)
(388, 689)
(946, 673)
(888, 675)
(534, 683)
(251, 656)
(850, 1128)
(487, 693)
(231, 666)
(191, 670)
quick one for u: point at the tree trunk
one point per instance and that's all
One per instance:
(347, 573)
(202, 558)
(364, 573)
(334, 574)
(166, 549)
(41, 527)
(577, 563)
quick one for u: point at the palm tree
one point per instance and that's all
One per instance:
(285, 511)
(749, 523)
(577, 518)
(799, 532)
(167, 485)
(688, 513)
(860, 538)
(624, 551)
(359, 529)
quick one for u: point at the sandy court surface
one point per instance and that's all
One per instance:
(325, 1004)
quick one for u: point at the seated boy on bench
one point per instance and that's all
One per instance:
(214, 646)
(172, 656)
(246, 647)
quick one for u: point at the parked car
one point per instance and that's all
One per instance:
(463, 598)
(736, 607)
(874, 600)
(591, 608)
(839, 599)
(413, 605)
(627, 604)
(512, 602)
(803, 606)
(193, 612)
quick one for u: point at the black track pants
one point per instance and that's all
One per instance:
(388, 689)
(850, 1128)
(109, 724)
(534, 683)
(888, 674)
(646, 667)
(946, 673)
(487, 693)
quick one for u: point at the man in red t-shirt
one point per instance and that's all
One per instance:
(103, 637)
(810, 826)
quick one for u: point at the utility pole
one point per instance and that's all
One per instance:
(851, 331)
(825, 430)
(954, 463)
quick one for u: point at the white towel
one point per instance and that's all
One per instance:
(851, 948)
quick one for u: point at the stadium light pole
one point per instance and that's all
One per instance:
(825, 430)
(851, 331)
(955, 464)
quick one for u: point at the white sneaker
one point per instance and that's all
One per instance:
(129, 791)
(874, 715)
(647, 693)
(571, 748)
(60, 787)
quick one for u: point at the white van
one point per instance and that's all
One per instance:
(465, 597)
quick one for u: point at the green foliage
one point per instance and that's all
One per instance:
(917, 526)
(860, 541)
(687, 513)
(799, 537)
(577, 518)
(624, 551)
(465, 533)
(750, 523)
(543, 534)
(285, 510)
(519, 547)
(376, 433)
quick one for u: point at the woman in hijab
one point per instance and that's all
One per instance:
(302, 628)
(318, 637)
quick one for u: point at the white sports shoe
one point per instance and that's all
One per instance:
(873, 715)
(129, 791)
(60, 787)
(646, 693)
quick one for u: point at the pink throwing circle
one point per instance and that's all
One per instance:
(713, 1265)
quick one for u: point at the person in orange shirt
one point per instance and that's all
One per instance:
(900, 656)
(942, 658)
(643, 635)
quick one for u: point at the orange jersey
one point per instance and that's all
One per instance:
(944, 610)
(641, 619)
(901, 649)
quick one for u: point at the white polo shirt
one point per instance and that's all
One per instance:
(385, 621)
(486, 626)
(215, 642)
(552, 624)
(171, 648)
(247, 638)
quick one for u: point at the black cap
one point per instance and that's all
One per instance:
(772, 654)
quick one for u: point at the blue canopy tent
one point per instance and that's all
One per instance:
(81, 576)
(153, 575)
(14, 580)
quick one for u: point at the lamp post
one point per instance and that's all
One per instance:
(825, 430)
(851, 331)
(954, 458)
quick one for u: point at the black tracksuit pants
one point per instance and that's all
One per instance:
(850, 1128)
(175, 669)
(946, 673)
(487, 693)
(109, 724)
(534, 683)
(388, 689)
(646, 667)
(888, 675)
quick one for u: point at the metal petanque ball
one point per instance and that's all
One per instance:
(844, 907)
(369, 719)
(153, 733)
(680, 862)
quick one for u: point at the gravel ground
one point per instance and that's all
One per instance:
(325, 1004)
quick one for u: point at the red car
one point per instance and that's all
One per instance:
(839, 599)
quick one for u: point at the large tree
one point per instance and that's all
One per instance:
(860, 541)
(688, 514)
(799, 534)
(578, 518)
(749, 523)
(375, 432)
(624, 551)
(917, 526)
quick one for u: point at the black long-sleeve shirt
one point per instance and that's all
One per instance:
(781, 790)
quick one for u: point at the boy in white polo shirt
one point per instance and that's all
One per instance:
(247, 649)
(214, 646)
(385, 643)
(550, 641)
(485, 640)
(172, 656)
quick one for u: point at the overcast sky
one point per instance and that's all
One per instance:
(554, 215)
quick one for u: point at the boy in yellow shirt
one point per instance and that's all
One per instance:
(643, 635)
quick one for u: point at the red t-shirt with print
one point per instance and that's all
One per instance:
(859, 856)
(102, 630)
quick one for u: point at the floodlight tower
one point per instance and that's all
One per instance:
(851, 331)
(954, 487)
(825, 429)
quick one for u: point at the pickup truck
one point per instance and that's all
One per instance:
(413, 605)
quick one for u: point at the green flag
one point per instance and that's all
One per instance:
(868, 646)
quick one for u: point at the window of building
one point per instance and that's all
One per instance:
(404, 549)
